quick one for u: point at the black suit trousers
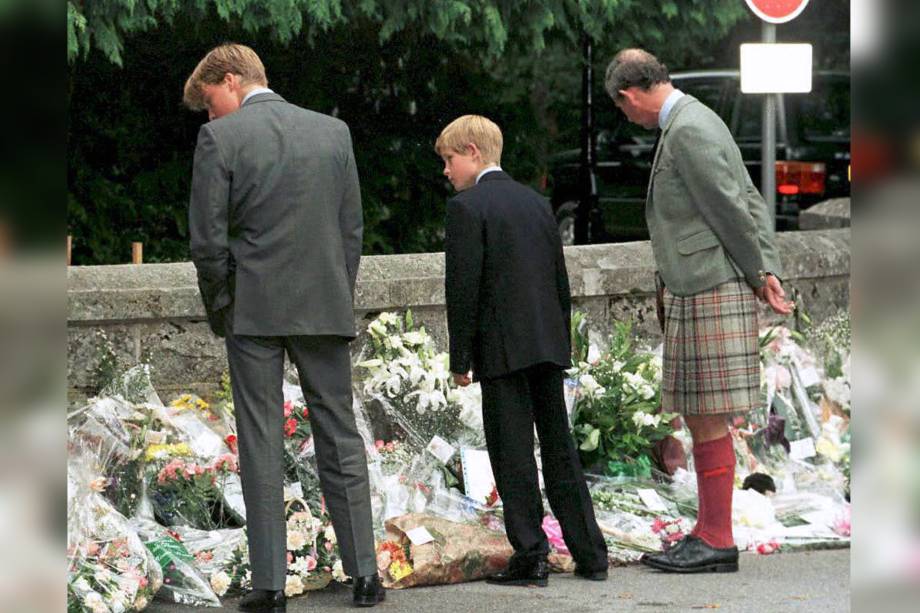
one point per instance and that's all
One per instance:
(511, 406)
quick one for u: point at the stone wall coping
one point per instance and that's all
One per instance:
(122, 293)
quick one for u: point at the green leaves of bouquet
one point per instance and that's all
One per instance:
(616, 421)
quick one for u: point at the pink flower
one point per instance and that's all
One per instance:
(378, 444)
(231, 442)
(658, 525)
(290, 557)
(842, 525)
(329, 547)
(311, 562)
(554, 534)
(306, 413)
(768, 548)
(288, 408)
(290, 427)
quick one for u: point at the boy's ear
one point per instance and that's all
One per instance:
(473, 150)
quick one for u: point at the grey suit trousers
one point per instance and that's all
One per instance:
(324, 366)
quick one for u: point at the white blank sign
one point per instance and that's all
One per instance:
(775, 68)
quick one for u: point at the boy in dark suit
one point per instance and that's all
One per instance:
(508, 317)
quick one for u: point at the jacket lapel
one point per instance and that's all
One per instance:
(679, 106)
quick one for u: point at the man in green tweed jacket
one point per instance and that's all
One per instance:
(714, 250)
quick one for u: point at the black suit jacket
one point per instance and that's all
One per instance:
(508, 301)
(275, 221)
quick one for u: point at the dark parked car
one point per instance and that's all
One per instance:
(812, 152)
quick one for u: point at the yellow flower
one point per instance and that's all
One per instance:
(187, 401)
(156, 452)
(400, 569)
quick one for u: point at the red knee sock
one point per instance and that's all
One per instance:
(714, 462)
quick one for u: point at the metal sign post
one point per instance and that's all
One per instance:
(772, 12)
(768, 138)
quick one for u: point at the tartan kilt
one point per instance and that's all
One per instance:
(711, 362)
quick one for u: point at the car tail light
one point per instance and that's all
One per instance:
(800, 178)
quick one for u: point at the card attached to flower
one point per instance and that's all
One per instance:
(477, 473)
(295, 490)
(652, 500)
(419, 536)
(802, 449)
(441, 449)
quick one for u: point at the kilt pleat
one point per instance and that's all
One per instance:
(711, 361)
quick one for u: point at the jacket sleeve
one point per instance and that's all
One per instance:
(564, 292)
(351, 219)
(703, 164)
(766, 233)
(208, 226)
(463, 254)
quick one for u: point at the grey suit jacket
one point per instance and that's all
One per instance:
(275, 221)
(708, 223)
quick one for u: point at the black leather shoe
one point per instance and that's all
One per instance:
(661, 557)
(270, 601)
(523, 572)
(368, 591)
(589, 574)
(694, 556)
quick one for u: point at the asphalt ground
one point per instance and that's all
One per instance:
(813, 581)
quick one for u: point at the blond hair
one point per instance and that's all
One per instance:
(230, 57)
(474, 129)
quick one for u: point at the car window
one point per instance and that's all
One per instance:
(749, 117)
(824, 114)
(709, 91)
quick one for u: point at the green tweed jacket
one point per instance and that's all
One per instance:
(708, 223)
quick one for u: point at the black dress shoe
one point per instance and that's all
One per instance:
(599, 574)
(368, 591)
(695, 556)
(270, 601)
(523, 572)
(661, 557)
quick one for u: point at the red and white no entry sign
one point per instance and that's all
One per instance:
(777, 11)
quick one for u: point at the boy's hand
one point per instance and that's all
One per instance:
(462, 380)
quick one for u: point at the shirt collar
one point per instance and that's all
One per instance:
(492, 168)
(255, 92)
(668, 106)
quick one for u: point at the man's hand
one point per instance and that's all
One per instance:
(772, 293)
(462, 380)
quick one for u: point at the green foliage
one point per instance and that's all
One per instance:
(396, 71)
(616, 419)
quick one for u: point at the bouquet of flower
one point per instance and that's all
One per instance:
(108, 567)
(191, 493)
(411, 381)
(183, 582)
(312, 554)
(616, 419)
(456, 552)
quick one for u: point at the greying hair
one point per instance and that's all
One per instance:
(634, 68)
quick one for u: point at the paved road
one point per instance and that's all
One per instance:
(810, 581)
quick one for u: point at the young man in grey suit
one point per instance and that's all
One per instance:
(714, 249)
(276, 229)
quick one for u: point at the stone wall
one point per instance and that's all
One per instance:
(153, 313)
(826, 215)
